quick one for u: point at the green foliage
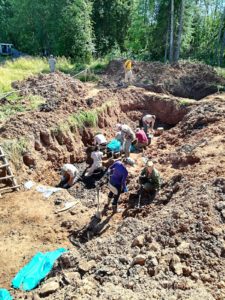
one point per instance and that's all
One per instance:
(111, 20)
(14, 149)
(83, 118)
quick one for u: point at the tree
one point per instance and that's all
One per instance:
(180, 29)
(111, 20)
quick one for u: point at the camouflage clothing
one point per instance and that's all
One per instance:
(150, 181)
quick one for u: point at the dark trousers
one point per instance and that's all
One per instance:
(115, 197)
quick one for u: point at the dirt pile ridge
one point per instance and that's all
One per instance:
(184, 79)
(57, 88)
(171, 247)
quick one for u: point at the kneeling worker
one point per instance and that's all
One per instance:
(148, 121)
(96, 155)
(142, 140)
(150, 178)
(100, 140)
(117, 183)
(70, 175)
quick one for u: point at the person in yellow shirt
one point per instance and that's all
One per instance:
(128, 70)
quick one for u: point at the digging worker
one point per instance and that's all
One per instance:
(128, 70)
(117, 183)
(70, 175)
(96, 156)
(52, 63)
(127, 136)
(142, 140)
(148, 121)
(150, 178)
(100, 140)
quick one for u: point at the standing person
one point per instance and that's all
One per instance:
(128, 70)
(142, 140)
(150, 178)
(127, 137)
(148, 121)
(52, 63)
(96, 155)
(70, 175)
(117, 183)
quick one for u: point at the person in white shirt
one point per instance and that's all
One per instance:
(100, 140)
(96, 155)
(128, 136)
(70, 175)
(148, 121)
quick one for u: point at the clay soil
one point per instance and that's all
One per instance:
(172, 246)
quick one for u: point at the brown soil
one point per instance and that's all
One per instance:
(187, 80)
(182, 228)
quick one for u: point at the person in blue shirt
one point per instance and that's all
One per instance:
(117, 183)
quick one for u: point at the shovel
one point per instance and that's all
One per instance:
(98, 214)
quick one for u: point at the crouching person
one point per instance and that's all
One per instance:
(117, 183)
(150, 179)
(70, 176)
(142, 140)
(96, 156)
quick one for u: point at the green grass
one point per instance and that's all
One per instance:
(15, 106)
(14, 150)
(83, 119)
(24, 67)
(220, 71)
(184, 102)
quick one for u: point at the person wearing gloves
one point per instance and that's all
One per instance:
(117, 183)
(128, 136)
(96, 156)
(70, 176)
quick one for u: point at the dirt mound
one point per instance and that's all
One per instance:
(57, 88)
(187, 80)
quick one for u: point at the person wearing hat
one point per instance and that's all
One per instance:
(127, 136)
(70, 175)
(52, 63)
(117, 183)
(150, 178)
(148, 121)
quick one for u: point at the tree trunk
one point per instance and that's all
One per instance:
(222, 49)
(180, 30)
(167, 42)
(219, 37)
(171, 30)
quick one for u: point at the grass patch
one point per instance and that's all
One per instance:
(83, 119)
(220, 71)
(14, 150)
(14, 105)
(184, 102)
(88, 77)
(24, 67)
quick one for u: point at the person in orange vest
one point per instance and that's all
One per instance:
(128, 70)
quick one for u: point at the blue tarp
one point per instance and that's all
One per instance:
(36, 270)
(114, 145)
(5, 295)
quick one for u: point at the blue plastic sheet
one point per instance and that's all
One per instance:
(114, 145)
(5, 295)
(36, 270)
